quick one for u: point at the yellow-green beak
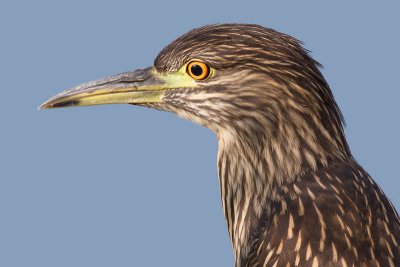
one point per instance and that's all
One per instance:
(135, 87)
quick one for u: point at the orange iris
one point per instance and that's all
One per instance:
(198, 70)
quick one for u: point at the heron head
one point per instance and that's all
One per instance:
(235, 78)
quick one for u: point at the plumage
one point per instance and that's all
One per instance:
(291, 192)
(336, 216)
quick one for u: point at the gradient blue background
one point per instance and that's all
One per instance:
(129, 186)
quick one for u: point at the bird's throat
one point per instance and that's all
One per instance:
(246, 192)
(250, 175)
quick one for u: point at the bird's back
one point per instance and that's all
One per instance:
(336, 216)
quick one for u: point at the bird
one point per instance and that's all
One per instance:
(292, 193)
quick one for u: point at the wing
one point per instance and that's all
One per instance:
(337, 216)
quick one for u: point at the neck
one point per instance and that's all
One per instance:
(251, 172)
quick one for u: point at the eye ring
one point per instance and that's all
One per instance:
(198, 70)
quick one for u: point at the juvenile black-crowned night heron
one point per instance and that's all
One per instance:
(291, 191)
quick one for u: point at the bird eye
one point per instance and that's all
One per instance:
(198, 70)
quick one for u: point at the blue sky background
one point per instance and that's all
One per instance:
(129, 186)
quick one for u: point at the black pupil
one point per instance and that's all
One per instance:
(197, 70)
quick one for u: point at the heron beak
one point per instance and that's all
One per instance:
(135, 87)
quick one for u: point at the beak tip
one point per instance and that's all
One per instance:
(47, 105)
(42, 106)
